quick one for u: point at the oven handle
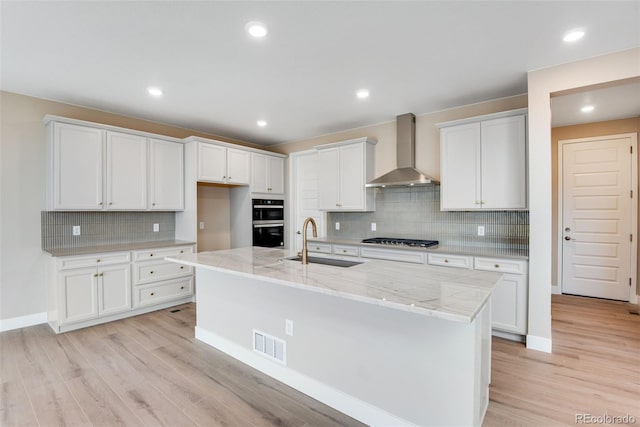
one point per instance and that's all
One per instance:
(268, 206)
(268, 225)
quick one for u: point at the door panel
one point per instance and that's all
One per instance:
(114, 289)
(597, 217)
(305, 194)
(126, 171)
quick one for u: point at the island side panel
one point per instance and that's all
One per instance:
(420, 369)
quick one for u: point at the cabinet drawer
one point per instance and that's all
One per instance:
(160, 253)
(346, 250)
(501, 265)
(393, 255)
(95, 260)
(153, 271)
(157, 293)
(457, 261)
(324, 248)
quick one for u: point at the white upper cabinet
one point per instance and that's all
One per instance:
(126, 171)
(75, 167)
(343, 170)
(267, 174)
(166, 181)
(217, 163)
(483, 163)
(99, 167)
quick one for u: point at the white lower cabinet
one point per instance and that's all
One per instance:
(90, 289)
(509, 300)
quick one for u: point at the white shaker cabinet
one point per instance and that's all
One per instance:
(221, 164)
(267, 174)
(343, 170)
(483, 163)
(126, 171)
(166, 175)
(75, 167)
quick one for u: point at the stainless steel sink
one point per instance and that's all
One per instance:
(326, 261)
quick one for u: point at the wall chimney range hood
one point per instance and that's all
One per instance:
(406, 173)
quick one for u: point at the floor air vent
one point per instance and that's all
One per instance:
(270, 346)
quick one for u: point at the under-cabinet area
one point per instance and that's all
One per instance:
(93, 288)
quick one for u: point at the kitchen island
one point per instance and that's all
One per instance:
(387, 343)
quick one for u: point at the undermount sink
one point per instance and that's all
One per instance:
(326, 261)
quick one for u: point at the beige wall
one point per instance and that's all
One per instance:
(214, 209)
(22, 184)
(427, 135)
(611, 127)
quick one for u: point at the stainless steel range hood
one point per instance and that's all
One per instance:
(406, 173)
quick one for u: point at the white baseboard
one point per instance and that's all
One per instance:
(635, 299)
(23, 321)
(539, 343)
(345, 403)
(555, 290)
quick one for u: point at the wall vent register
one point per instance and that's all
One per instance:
(270, 346)
(391, 241)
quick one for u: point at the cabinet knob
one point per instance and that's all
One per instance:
(477, 202)
(181, 287)
(317, 248)
(497, 266)
(110, 203)
(224, 176)
(482, 202)
(344, 250)
(153, 293)
(446, 260)
(98, 260)
(101, 274)
(151, 272)
(95, 275)
(99, 203)
(150, 254)
(182, 267)
(181, 252)
(153, 204)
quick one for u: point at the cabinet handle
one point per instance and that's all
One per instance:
(101, 274)
(98, 260)
(95, 275)
(269, 188)
(317, 248)
(153, 293)
(497, 266)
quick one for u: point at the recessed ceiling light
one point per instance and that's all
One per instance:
(154, 91)
(362, 93)
(573, 35)
(587, 108)
(261, 123)
(256, 29)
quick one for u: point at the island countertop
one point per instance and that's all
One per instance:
(442, 292)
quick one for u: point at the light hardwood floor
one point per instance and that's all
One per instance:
(149, 370)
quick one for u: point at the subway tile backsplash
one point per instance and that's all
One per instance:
(104, 228)
(414, 212)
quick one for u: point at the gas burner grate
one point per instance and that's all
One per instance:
(414, 243)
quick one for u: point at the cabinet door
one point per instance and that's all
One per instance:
(351, 177)
(238, 166)
(114, 289)
(460, 167)
(259, 174)
(126, 172)
(77, 167)
(328, 179)
(276, 175)
(504, 163)
(509, 304)
(212, 163)
(166, 175)
(78, 295)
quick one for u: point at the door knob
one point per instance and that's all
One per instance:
(567, 238)
(298, 232)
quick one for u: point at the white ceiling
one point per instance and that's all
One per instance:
(419, 57)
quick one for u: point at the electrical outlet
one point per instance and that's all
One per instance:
(288, 327)
(76, 230)
(337, 226)
(481, 230)
(373, 226)
(156, 228)
(201, 225)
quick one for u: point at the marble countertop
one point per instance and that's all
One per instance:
(116, 248)
(447, 249)
(442, 292)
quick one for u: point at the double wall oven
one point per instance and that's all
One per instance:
(268, 222)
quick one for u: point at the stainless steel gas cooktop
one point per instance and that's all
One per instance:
(401, 242)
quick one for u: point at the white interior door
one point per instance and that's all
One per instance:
(598, 216)
(304, 168)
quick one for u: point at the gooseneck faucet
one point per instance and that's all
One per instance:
(305, 252)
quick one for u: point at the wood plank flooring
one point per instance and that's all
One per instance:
(149, 370)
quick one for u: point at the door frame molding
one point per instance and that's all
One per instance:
(633, 297)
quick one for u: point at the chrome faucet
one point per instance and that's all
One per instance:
(305, 253)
